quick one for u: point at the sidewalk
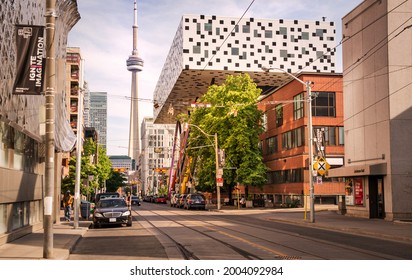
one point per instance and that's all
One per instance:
(30, 247)
(65, 236)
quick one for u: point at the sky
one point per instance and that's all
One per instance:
(105, 38)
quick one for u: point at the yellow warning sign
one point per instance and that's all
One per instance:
(321, 165)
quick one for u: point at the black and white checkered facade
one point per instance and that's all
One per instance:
(208, 48)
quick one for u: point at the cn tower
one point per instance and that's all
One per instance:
(134, 64)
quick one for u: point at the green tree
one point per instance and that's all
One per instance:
(115, 180)
(103, 166)
(162, 191)
(95, 165)
(236, 119)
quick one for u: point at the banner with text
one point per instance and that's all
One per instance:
(29, 60)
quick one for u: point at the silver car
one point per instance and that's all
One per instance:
(112, 211)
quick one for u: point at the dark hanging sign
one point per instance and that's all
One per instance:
(30, 46)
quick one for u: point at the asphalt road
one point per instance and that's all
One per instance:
(161, 232)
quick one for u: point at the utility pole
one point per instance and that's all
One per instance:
(78, 150)
(308, 85)
(50, 81)
(217, 170)
(310, 143)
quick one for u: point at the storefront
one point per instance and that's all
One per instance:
(364, 189)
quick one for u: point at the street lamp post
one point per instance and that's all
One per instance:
(217, 161)
(308, 85)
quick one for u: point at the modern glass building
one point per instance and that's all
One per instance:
(98, 115)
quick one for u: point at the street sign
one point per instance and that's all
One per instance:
(321, 165)
(219, 181)
(219, 172)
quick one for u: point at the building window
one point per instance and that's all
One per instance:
(287, 140)
(320, 32)
(279, 115)
(6, 143)
(246, 28)
(18, 150)
(271, 145)
(331, 135)
(324, 104)
(235, 51)
(305, 35)
(283, 53)
(268, 34)
(285, 176)
(283, 30)
(196, 49)
(208, 26)
(298, 106)
(341, 135)
(293, 138)
(20, 215)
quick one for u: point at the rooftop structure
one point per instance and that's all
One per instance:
(206, 49)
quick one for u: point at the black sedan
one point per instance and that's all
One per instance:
(112, 211)
(135, 200)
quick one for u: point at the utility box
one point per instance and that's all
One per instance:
(85, 209)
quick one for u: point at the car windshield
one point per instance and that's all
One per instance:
(111, 203)
(197, 197)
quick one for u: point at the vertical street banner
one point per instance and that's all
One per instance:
(30, 46)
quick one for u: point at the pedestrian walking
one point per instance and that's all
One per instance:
(129, 200)
(67, 204)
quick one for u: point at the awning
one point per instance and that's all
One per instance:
(358, 170)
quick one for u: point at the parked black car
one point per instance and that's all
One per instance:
(195, 201)
(112, 211)
(135, 200)
(106, 195)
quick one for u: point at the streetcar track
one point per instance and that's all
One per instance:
(280, 256)
(187, 255)
(297, 235)
(181, 247)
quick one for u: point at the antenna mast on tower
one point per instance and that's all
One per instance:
(134, 64)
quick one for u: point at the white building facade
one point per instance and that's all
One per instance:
(156, 155)
(206, 49)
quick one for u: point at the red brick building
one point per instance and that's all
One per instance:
(284, 142)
